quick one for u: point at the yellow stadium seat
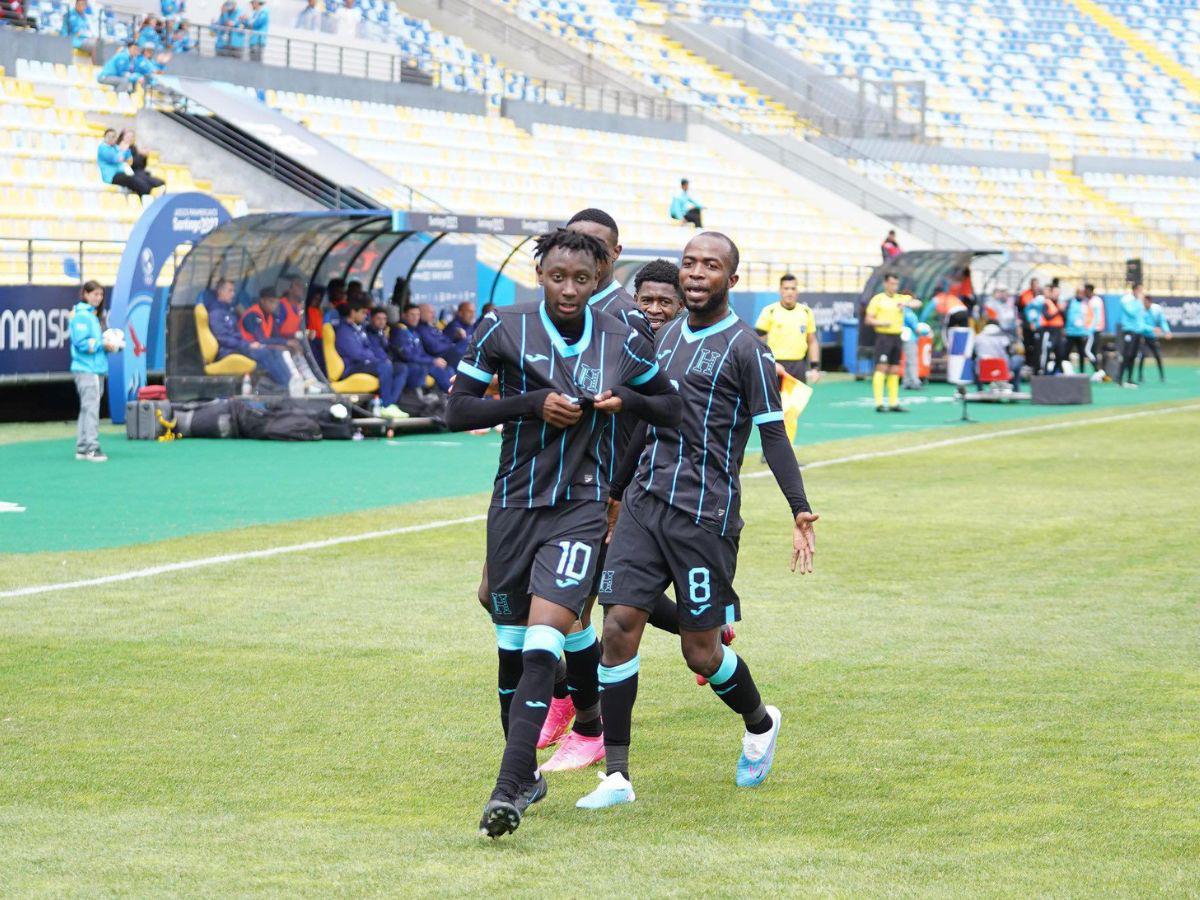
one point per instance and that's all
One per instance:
(359, 383)
(233, 364)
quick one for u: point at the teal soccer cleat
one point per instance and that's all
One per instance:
(614, 790)
(758, 753)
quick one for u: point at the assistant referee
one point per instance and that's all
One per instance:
(885, 313)
(791, 331)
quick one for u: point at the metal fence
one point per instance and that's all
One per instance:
(63, 261)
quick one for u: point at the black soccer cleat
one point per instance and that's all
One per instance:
(881, 409)
(500, 817)
(898, 409)
(532, 793)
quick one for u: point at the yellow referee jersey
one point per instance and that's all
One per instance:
(888, 311)
(787, 329)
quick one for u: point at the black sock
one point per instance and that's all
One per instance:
(507, 679)
(530, 704)
(665, 614)
(620, 684)
(583, 661)
(560, 680)
(509, 640)
(734, 684)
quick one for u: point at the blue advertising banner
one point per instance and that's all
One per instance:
(35, 326)
(171, 220)
(447, 275)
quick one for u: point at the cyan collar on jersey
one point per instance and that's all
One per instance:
(692, 336)
(561, 346)
(604, 292)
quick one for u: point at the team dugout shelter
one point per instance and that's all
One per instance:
(265, 249)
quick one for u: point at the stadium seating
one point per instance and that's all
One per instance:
(359, 383)
(611, 32)
(233, 364)
(1030, 75)
(52, 117)
(488, 165)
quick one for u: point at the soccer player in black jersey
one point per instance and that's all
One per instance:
(680, 520)
(564, 371)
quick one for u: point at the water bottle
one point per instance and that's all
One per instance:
(246, 389)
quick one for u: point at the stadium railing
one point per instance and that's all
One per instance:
(398, 68)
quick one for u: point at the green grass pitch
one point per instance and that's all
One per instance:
(991, 686)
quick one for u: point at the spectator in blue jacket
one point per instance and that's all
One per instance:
(181, 37)
(150, 34)
(89, 366)
(462, 326)
(77, 25)
(435, 341)
(1154, 327)
(258, 22)
(150, 65)
(378, 331)
(119, 72)
(172, 8)
(114, 158)
(224, 324)
(228, 29)
(407, 347)
(360, 354)
(309, 18)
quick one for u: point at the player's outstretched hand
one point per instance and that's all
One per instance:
(804, 542)
(608, 402)
(614, 510)
(560, 412)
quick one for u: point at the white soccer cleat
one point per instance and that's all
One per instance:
(758, 753)
(614, 790)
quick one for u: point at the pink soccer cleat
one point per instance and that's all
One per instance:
(558, 722)
(727, 636)
(576, 752)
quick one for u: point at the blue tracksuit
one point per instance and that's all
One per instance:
(111, 159)
(77, 27)
(227, 28)
(147, 68)
(1133, 315)
(119, 65)
(1153, 318)
(172, 8)
(149, 37)
(407, 346)
(88, 355)
(438, 344)
(259, 23)
(379, 346)
(1076, 319)
(360, 354)
(223, 323)
(457, 330)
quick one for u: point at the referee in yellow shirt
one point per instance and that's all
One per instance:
(791, 331)
(885, 313)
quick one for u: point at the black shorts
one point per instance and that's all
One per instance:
(797, 368)
(550, 551)
(888, 349)
(654, 545)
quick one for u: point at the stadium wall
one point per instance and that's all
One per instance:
(526, 114)
(885, 150)
(19, 44)
(1167, 167)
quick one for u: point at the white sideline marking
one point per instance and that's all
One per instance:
(9, 506)
(446, 523)
(971, 438)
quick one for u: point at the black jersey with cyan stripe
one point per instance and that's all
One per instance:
(541, 465)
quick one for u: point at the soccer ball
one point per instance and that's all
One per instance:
(113, 340)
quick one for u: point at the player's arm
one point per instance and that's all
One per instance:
(869, 316)
(761, 391)
(814, 342)
(468, 408)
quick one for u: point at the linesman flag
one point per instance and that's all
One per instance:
(795, 395)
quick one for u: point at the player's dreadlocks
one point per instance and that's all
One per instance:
(660, 271)
(600, 217)
(575, 241)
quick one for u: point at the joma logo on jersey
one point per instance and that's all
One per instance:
(500, 604)
(706, 362)
(588, 379)
(606, 580)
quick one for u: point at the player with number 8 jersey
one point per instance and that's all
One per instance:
(564, 371)
(680, 519)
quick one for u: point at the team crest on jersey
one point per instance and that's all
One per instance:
(500, 604)
(588, 379)
(706, 362)
(606, 580)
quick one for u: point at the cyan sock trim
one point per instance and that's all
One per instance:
(725, 670)
(510, 637)
(613, 674)
(543, 637)
(580, 640)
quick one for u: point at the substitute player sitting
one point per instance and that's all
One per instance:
(885, 313)
(564, 371)
(680, 520)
